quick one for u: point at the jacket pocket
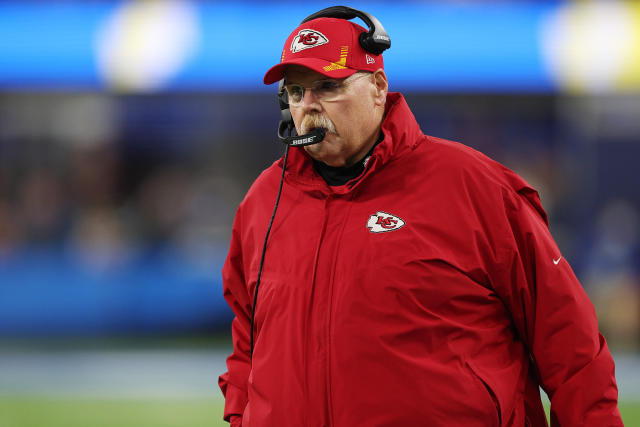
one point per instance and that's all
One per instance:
(245, 420)
(235, 421)
(490, 393)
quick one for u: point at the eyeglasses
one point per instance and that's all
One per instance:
(324, 90)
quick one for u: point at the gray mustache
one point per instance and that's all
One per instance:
(312, 121)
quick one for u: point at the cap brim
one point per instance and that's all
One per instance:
(276, 72)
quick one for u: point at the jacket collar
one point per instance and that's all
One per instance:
(401, 135)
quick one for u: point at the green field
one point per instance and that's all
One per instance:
(44, 412)
(73, 412)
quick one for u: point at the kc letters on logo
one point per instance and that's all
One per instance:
(306, 39)
(382, 221)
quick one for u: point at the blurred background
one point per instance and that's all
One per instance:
(130, 131)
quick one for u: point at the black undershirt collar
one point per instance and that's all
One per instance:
(336, 176)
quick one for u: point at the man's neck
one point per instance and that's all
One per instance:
(340, 175)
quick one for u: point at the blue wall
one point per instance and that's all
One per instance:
(435, 46)
(49, 293)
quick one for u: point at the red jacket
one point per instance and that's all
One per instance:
(426, 292)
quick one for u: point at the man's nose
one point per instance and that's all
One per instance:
(310, 101)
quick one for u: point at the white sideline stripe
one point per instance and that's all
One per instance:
(105, 374)
(161, 374)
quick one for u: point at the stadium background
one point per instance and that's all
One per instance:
(130, 131)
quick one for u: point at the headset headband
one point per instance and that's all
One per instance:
(376, 40)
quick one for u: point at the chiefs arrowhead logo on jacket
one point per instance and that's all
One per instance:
(306, 39)
(382, 221)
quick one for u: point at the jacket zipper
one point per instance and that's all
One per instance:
(334, 261)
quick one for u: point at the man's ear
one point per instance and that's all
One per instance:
(381, 86)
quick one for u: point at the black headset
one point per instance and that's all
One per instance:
(376, 41)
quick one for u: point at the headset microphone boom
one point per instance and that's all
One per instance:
(313, 137)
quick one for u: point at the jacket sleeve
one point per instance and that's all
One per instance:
(555, 319)
(233, 383)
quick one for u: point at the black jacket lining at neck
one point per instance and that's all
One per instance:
(336, 176)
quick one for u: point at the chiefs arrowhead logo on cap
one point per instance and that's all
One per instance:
(382, 221)
(306, 39)
(339, 55)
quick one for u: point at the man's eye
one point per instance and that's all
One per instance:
(295, 92)
(328, 85)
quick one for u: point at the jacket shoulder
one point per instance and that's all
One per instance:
(453, 158)
(477, 172)
(265, 184)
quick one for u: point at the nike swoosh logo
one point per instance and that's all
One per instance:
(556, 261)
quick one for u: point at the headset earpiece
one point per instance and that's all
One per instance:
(283, 100)
(376, 40)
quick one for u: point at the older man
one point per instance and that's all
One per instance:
(407, 280)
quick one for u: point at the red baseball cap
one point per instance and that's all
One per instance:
(328, 46)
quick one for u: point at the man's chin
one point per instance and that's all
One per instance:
(324, 155)
(318, 151)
